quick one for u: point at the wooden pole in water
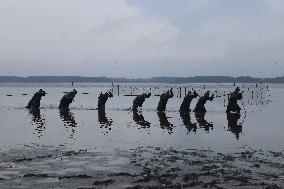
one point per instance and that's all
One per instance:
(184, 90)
(179, 92)
(117, 90)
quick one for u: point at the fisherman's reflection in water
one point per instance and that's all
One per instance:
(103, 120)
(185, 116)
(139, 119)
(164, 123)
(38, 121)
(68, 120)
(200, 118)
(233, 125)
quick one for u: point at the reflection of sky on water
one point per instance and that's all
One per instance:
(118, 127)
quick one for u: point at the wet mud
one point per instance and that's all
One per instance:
(142, 167)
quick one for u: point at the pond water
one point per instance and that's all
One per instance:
(83, 127)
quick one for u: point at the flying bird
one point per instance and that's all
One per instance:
(117, 68)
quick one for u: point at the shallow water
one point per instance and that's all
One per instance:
(261, 118)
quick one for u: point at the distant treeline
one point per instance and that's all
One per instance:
(195, 79)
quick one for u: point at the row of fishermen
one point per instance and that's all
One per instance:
(68, 98)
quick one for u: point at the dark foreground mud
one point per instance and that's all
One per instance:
(144, 167)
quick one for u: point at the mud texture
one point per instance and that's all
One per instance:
(143, 167)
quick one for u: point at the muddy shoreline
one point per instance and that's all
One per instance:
(142, 167)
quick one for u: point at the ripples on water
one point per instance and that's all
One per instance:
(38, 121)
(84, 126)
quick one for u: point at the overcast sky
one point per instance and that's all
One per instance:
(146, 37)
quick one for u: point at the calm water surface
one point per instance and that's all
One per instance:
(83, 127)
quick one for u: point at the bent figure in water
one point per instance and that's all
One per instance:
(139, 100)
(102, 99)
(233, 101)
(34, 103)
(164, 100)
(67, 99)
(200, 106)
(185, 105)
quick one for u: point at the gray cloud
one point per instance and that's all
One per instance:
(147, 38)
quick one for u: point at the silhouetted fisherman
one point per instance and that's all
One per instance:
(164, 100)
(200, 108)
(35, 101)
(233, 125)
(139, 119)
(164, 123)
(233, 104)
(185, 105)
(67, 99)
(185, 116)
(200, 118)
(139, 100)
(103, 98)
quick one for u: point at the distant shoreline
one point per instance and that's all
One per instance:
(174, 80)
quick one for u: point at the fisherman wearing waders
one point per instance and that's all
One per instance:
(164, 100)
(200, 108)
(67, 99)
(233, 104)
(34, 103)
(139, 100)
(102, 100)
(185, 105)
